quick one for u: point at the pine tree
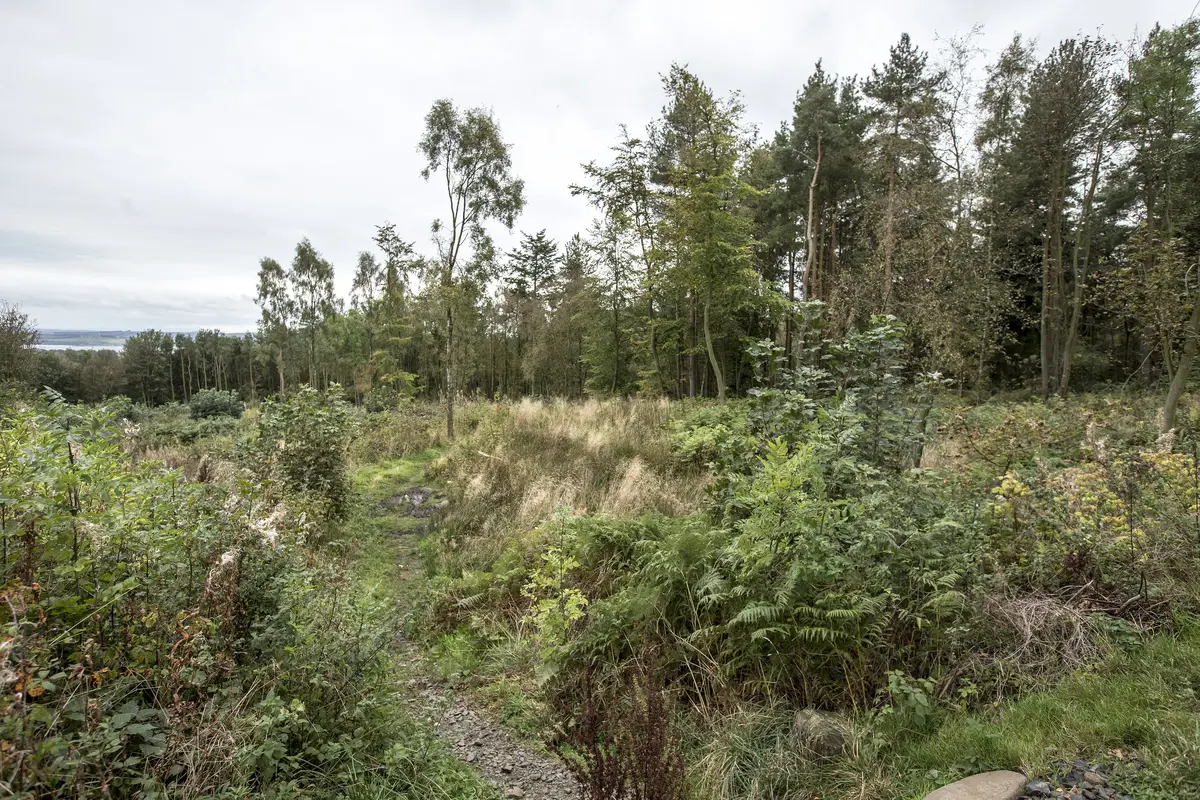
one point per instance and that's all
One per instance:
(904, 95)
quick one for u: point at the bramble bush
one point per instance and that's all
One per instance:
(166, 638)
(215, 403)
(301, 450)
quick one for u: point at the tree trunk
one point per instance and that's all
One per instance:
(449, 370)
(1047, 310)
(829, 273)
(312, 356)
(1179, 381)
(1045, 317)
(1083, 241)
(692, 346)
(616, 331)
(787, 320)
(662, 389)
(282, 385)
(810, 233)
(818, 279)
(712, 355)
(889, 244)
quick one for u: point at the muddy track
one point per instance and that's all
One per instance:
(512, 766)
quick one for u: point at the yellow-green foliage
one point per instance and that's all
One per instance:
(410, 429)
(830, 571)
(1127, 520)
(556, 605)
(163, 638)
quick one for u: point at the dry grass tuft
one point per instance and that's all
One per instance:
(525, 461)
(1045, 638)
(750, 752)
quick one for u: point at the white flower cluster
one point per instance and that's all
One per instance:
(270, 526)
(7, 676)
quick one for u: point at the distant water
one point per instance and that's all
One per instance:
(58, 346)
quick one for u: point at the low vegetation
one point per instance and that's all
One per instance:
(655, 590)
(938, 575)
(196, 638)
(837, 464)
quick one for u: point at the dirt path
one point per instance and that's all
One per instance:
(504, 761)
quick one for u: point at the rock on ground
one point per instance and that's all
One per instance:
(820, 733)
(999, 785)
(1073, 780)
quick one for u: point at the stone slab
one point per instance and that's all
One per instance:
(999, 785)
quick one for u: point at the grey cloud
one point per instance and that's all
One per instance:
(152, 152)
(20, 245)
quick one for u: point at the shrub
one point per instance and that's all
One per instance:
(1123, 525)
(382, 398)
(400, 433)
(160, 638)
(171, 427)
(623, 743)
(120, 406)
(215, 403)
(113, 672)
(302, 448)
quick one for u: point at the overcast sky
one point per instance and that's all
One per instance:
(152, 152)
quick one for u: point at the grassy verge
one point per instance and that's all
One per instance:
(382, 546)
(1140, 706)
(1137, 711)
(494, 666)
(386, 541)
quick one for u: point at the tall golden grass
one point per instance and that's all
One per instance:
(526, 461)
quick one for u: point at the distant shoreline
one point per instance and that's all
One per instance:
(61, 339)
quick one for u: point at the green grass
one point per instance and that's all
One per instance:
(1133, 709)
(1144, 704)
(516, 708)
(382, 548)
(1136, 707)
(498, 674)
(385, 543)
(494, 670)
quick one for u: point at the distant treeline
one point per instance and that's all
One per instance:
(153, 367)
(1033, 224)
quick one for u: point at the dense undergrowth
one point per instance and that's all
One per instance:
(654, 589)
(168, 637)
(965, 587)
